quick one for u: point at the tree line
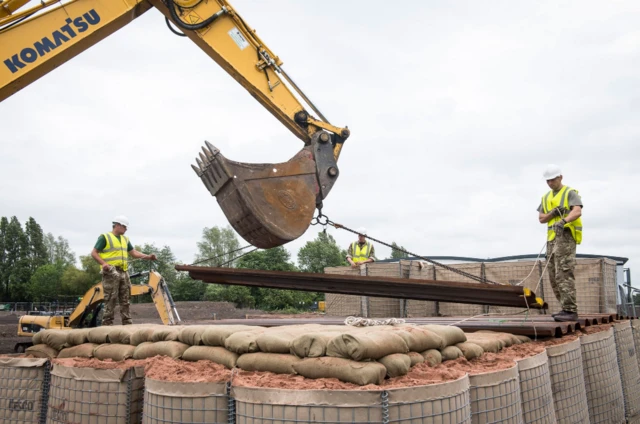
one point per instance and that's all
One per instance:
(39, 267)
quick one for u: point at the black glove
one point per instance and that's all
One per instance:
(559, 226)
(559, 211)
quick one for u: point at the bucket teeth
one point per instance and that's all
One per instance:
(208, 153)
(212, 148)
(204, 159)
(197, 170)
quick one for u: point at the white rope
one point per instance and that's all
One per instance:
(368, 322)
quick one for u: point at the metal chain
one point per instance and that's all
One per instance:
(324, 220)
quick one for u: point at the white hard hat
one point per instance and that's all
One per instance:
(122, 220)
(551, 172)
(362, 231)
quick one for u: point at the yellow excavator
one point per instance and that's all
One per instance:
(267, 204)
(87, 313)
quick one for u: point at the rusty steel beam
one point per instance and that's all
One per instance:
(401, 288)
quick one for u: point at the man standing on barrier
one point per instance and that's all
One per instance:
(561, 210)
(111, 252)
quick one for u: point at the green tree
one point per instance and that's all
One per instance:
(16, 273)
(90, 267)
(75, 282)
(58, 250)
(37, 253)
(321, 253)
(165, 263)
(238, 295)
(276, 259)
(186, 289)
(46, 283)
(396, 253)
(218, 243)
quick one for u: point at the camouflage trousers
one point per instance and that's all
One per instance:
(117, 288)
(562, 264)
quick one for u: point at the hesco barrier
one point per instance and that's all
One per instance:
(495, 397)
(185, 403)
(602, 378)
(446, 403)
(96, 396)
(567, 383)
(421, 308)
(24, 387)
(635, 327)
(535, 390)
(628, 365)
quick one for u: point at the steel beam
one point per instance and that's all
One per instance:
(401, 288)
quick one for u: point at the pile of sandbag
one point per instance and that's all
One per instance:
(359, 355)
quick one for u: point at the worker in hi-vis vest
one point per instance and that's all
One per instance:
(361, 251)
(111, 252)
(560, 210)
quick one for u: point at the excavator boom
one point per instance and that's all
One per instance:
(268, 204)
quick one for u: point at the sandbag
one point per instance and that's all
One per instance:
(523, 339)
(100, 335)
(142, 335)
(242, 342)
(397, 364)
(171, 349)
(37, 338)
(313, 345)
(115, 352)
(41, 351)
(361, 346)
(360, 373)
(277, 363)
(487, 344)
(78, 336)
(192, 334)
(470, 350)
(416, 358)
(56, 339)
(216, 354)
(216, 335)
(122, 334)
(420, 339)
(506, 338)
(84, 350)
(450, 334)
(450, 353)
(277, 341)
(432, 357)
(166, 334)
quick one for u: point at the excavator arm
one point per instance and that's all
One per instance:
(268, 204)
(156, 286)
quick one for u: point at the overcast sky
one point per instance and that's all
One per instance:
(455, 108)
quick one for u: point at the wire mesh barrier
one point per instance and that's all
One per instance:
(535, 390)
(628, 365)
(595, 287)
(95, 396)
(602, 378)
(495, 397)
(446, 403)
(24, 387)
(635, 327)
(185, 403)
(567, 383)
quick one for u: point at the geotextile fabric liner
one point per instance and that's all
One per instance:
(635, 327)
(602, 378)
(535, 390)
(567, 383)
(628, 365)
(434, 404)
(459, 309)
(495, 397)
(384, 307)
(343, 305)
(24, 385)
(95, 396)
(185, 403)
(421, 308)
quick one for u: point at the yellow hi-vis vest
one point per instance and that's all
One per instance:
(360, 254)
(549, 202)
(115, 252)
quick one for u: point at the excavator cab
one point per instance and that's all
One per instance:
(272, 204)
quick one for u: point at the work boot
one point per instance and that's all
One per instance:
(566, 316)
(554, 315)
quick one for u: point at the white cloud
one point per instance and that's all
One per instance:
(454, 108)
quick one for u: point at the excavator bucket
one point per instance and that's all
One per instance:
(270, 204)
